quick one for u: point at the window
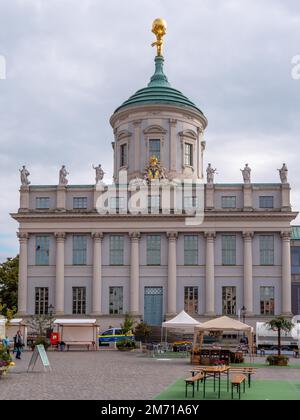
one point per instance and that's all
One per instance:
(191, 300)
(42, 203)
(266, 246)
(117, 203)
(116, 300)
(123, 155)
(116, 250)
(190, 202)
(229, 202)
(79, 202)
(41, 300)
(188, 154)
(228, 249)
(295, 254)
(154, 202)
(267, 300)
(266, 202)
(79, 249)
(154, 148)
(190, 249)
(79, 300)
(42, 244)
(229, 300)
(153, 249)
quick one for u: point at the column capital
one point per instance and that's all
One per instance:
(134, 236)
(60, 236)
(173, 121)
(286, 235)
(136, 123)
(248, 235)
(172, 236)
(97, 236)
(23, 236)
(210, 235)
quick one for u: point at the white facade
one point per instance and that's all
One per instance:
(174, 126)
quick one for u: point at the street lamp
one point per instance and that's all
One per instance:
(50, 309)
(243, 312)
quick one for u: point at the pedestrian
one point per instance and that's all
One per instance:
(18, 343)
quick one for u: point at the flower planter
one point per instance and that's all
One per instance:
(125, 349)
(278, 360)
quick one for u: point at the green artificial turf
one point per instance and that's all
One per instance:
(260, 390)
(266, 365)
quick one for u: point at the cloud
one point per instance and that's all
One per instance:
(70, 63)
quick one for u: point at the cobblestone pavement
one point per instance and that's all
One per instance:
(104, 375)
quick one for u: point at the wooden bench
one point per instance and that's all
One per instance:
(236, 382)
(80, 344)
(248, 371)
(191, 381)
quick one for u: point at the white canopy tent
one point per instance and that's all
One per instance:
(182, 321)
(15, 325)
(80, 331)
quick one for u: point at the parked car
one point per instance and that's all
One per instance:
(113, 335)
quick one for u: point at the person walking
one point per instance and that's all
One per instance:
(18, 342)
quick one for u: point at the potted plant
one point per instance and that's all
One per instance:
(279, 324)
(5, 360)
(126, 345)
(277, 360)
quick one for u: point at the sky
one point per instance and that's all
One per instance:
(71, 63)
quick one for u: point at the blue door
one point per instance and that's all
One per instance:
(153, 305)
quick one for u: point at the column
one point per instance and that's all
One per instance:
(134, 273)
(248, 277)
(209, 196)
(97, 275)
(60, 273)
(172, 274)
(286, 294)
(247, 189)
(137, 147)
(61, 197)
(24, 197)
(210, 274)
(285, 197)
(173, 146)
(23, 263)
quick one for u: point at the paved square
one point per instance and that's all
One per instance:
(106, 375)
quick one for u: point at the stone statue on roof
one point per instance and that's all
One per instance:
(24, 174)
(246, 174)
(63, 175)
(210, 172)
(283, 172)
(99, 173)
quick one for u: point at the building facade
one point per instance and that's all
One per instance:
(214, 252)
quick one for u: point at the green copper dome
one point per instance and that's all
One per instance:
(159, 91)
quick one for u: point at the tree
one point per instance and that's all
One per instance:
(128, 324)
(143, 330)
(9, 271)
(280, 324)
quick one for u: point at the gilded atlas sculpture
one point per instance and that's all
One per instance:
(159, 28)
(154, 171)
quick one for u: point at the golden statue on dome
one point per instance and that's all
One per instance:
(154, 170)
(159, 28)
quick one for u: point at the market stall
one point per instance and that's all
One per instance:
(77, 332)
(14, 325)
(182, 322)
(218, 325)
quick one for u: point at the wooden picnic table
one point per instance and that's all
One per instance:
(215, 372)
